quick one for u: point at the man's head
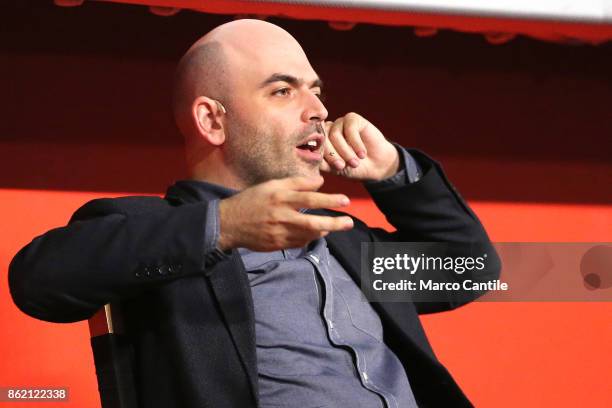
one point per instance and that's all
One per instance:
(262, 77)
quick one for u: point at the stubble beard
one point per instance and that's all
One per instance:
(257, 159)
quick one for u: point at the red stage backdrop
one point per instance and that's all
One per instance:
(522, 130)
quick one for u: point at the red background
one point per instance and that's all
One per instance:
(522, 129)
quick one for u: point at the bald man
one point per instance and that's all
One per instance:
(239, 288)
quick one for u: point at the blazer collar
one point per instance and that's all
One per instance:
(191, 191)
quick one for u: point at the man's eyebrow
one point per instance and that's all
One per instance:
(290, 79)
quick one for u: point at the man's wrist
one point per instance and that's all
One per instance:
(217, 243)
(224, 239)
(394, 167)
(409, 171)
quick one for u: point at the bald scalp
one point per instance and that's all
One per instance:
(213, 62)
(202, 71)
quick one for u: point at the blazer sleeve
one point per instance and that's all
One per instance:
(432, 210)
(111, 249)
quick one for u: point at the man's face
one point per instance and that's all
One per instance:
(275, 115)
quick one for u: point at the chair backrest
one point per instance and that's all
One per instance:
(113, 358)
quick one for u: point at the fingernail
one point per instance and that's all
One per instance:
(354, 162)
(349, 223)
(344, 201)
(339, 164)
(361, 154)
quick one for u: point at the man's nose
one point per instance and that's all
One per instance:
(314, 109)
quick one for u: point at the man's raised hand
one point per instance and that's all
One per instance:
(266, 217)
(356, 149)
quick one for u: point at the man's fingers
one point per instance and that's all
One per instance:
(323, 223)
(337, 139)
(352, 134)
(325, 167)
(327, 125)
(316, 200)
(331, 158)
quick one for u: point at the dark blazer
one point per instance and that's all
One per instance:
(192, 326)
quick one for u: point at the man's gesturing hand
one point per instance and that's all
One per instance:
(266, 217)
(356, 149)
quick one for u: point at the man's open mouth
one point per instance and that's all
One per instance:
(312, 143)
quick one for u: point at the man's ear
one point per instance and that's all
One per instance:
(207, 114)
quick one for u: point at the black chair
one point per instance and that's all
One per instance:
(113, 359)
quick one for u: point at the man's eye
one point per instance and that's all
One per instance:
(282, 92)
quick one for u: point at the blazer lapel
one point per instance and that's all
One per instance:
(346, 247)
(230, 284)
(228, 279)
